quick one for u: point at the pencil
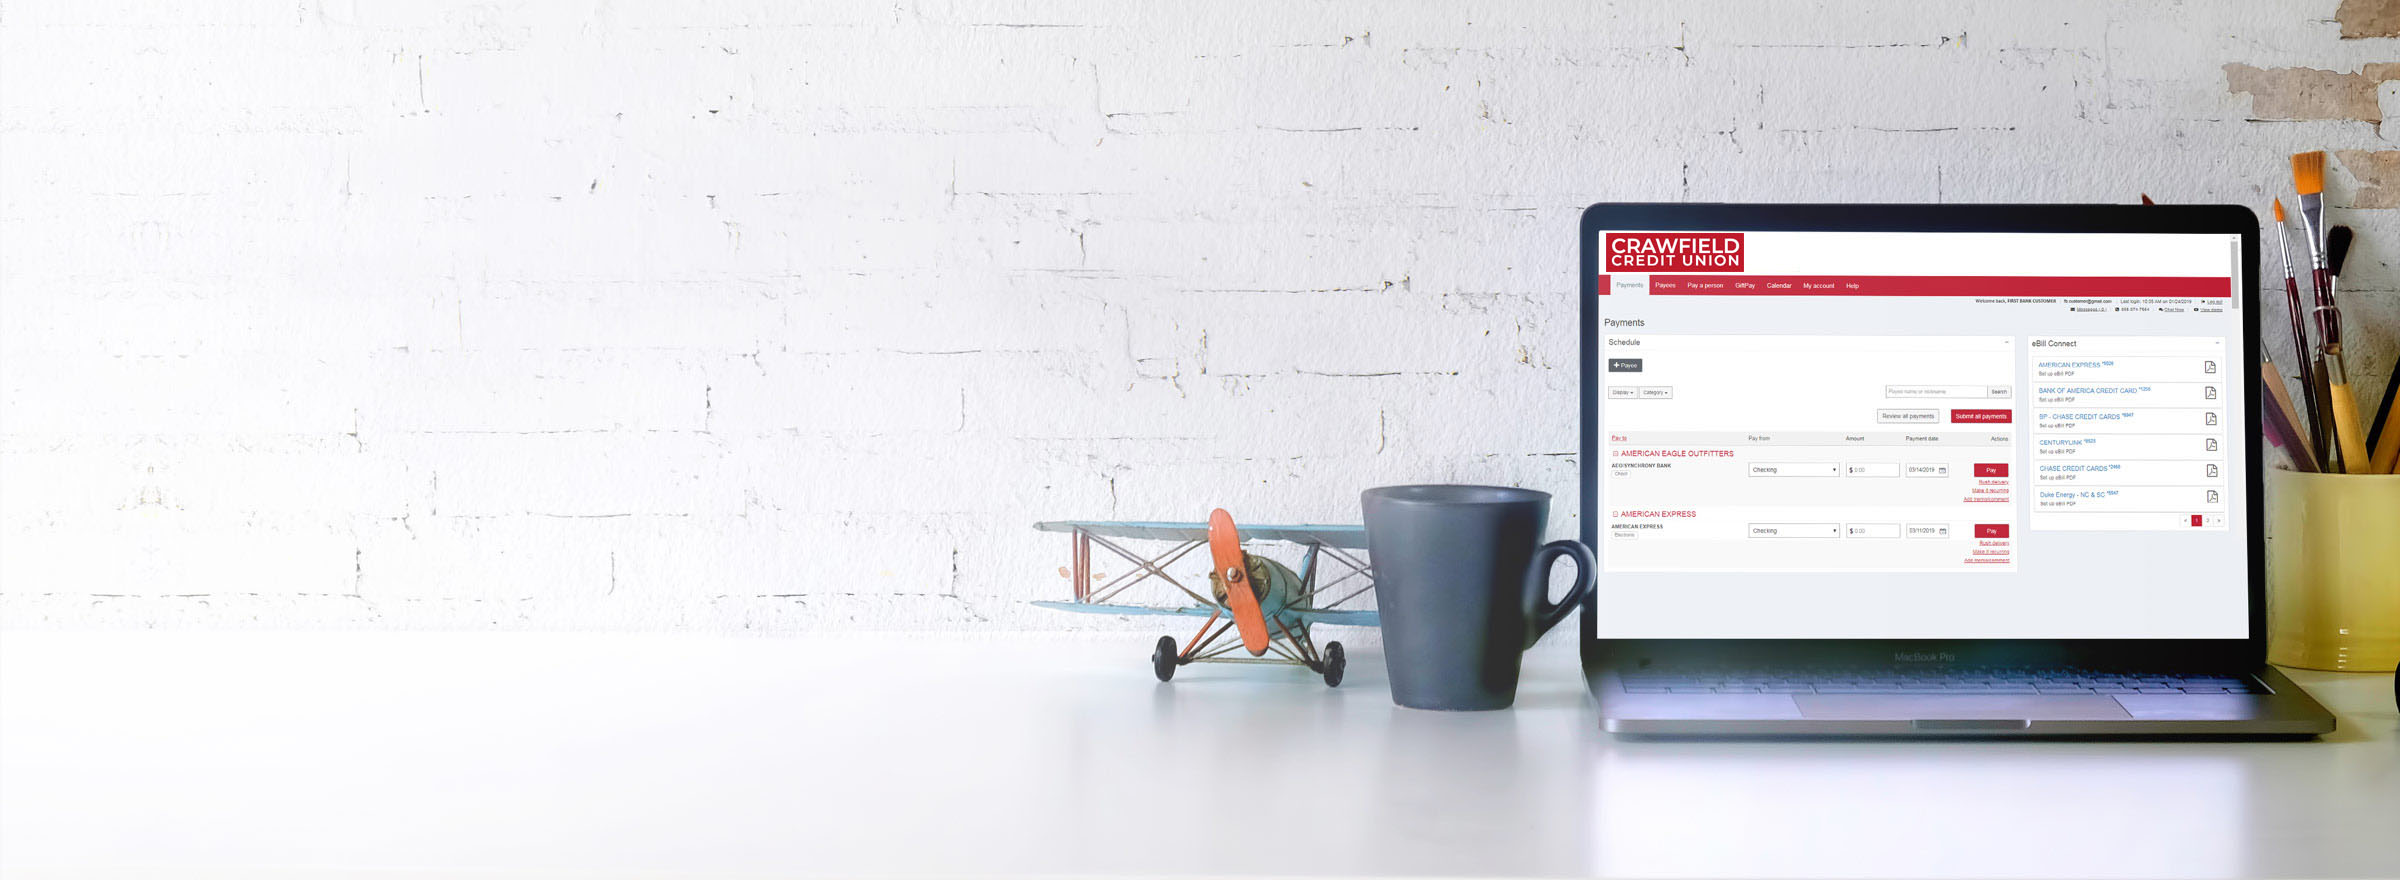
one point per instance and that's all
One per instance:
(2282, 424)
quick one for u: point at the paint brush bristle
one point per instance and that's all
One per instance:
(2308, 172)
(2337, 248)
(2279, 212)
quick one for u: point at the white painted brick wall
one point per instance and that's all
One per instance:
(747, 314)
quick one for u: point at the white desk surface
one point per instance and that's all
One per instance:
(420, 754)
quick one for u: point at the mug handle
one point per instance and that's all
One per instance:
(1537, 578)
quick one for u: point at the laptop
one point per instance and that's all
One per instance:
(1926, 470)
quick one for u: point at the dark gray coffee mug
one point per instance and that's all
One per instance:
(1462, 580)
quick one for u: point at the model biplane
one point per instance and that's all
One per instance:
(1272, 608)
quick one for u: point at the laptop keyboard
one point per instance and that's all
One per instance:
(1963, 680)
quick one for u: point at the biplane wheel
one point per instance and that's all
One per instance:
(1334, 664)
(1162, 660)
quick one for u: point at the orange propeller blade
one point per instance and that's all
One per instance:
(1225, 547)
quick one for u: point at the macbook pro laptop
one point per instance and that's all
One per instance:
(1926, 470)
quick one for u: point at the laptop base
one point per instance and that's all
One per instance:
(2276, 707)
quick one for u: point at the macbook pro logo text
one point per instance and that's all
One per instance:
(1674, 252)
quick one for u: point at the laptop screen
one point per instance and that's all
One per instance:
(1899, 435)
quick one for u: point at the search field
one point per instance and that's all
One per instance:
(1948, 392)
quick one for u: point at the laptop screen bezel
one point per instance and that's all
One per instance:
(2172, 219)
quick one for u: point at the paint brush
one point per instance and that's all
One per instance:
(2350, 428)
(2333, 446)
(2308, 179)
(2337, 252)
(2301, 360)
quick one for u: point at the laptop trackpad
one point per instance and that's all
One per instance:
(2030, 707)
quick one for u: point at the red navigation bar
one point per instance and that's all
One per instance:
(2204, 286)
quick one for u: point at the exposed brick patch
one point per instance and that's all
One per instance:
(2311, 93)
(2378, 175)
(2367, 19)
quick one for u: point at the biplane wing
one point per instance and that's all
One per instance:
(1311, 615)
(1095, 608)
(1345, 537)
(1337, 617)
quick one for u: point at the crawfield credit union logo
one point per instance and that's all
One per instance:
(1674, 251)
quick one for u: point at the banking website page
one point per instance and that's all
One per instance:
(1921, 435)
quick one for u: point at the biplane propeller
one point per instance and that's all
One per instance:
(1271, 608)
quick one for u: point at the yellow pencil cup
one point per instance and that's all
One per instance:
(2333, 571)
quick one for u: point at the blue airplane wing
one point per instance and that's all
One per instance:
(1338, 618)
(1345, 537)
(1329, 618)
(1090, 608)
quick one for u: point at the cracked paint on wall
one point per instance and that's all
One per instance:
(2310, 93)
(2377, 173)
(2368, 19)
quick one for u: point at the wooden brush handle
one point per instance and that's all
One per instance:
(2348, 432)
